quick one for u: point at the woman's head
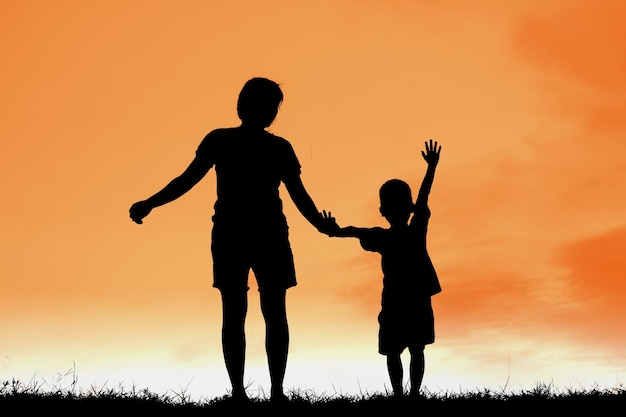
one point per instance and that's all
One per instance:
(259, 101)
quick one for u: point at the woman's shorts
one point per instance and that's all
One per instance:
(268, 254)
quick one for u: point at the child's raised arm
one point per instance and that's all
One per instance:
(431, 156)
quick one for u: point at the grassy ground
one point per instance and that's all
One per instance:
(540, 401)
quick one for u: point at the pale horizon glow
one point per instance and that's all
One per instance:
(104, 102)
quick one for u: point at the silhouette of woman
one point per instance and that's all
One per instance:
(249, 227)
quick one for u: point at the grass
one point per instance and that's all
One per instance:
(544, 399)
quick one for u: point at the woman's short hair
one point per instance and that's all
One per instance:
(259, 101)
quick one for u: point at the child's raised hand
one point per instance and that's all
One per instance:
(431, 156)
(329, 225)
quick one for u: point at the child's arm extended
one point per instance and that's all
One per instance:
(431, 156)
(336, 231)
(349, 231)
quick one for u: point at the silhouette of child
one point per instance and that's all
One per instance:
(249, 228)
(406, 318)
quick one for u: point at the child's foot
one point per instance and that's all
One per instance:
(398, 395)
(416, 396)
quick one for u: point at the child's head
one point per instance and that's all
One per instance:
(258, 102)
(396, 202)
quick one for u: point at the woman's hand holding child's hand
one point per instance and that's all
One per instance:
(329, 225)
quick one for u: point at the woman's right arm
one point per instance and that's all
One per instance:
(196, 170)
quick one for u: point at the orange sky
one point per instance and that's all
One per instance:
(104, 102)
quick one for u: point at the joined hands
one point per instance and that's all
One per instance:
(328, 225)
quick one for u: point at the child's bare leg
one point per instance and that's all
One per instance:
(416, 369)
(394, 367)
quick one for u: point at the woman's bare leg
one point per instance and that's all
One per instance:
(276, 337)
(234, 309)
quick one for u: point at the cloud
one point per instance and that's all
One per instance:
(595, 270)
(566, 319)
(580, 49)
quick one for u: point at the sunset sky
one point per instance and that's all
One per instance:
(104, 102)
